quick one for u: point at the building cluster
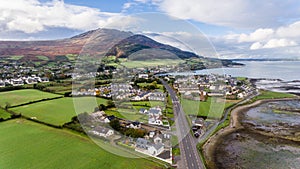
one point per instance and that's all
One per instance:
(200, 86)
(156, 142)
(33, 79)
(121, 91)
(155, 116)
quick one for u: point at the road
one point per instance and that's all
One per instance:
(190, 158)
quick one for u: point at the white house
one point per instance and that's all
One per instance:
(156, 149)
(101, 131)
(143, 76)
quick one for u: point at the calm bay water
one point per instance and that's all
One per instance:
(284, 70)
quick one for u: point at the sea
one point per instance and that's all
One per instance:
(283, 70)
(281, 76)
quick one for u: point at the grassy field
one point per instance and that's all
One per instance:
(30, 145)
(151, 63)
(17, 97)
(129, 114)
(4, 114)
(44, 58)
(212, 108)
(272, 95)
(59, 111)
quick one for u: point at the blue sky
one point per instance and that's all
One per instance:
(235, 28)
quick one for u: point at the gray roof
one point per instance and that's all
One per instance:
(158, 146)
(142, 143)
(101, 129)
(154, 111)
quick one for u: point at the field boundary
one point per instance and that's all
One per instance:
(36, 101)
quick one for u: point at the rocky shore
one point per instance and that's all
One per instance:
(237, 133)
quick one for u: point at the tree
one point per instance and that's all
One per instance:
(102, 107)
(110, 104)
(115, 124)
(7, 105)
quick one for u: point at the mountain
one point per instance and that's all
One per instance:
(83, 43)
(135, 43)
(104, 42)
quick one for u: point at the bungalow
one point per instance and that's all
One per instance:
(143, 111)
(156, 149)
(148, 148)
(134, 125)
(102, 132)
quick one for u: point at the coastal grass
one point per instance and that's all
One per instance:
(31, 145)
(212, 108)
(17, 97)
(4, 114)
(272, 95)
(59, 111)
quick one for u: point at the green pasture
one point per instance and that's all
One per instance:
(27, 144)
(59, 111)
(212, 108)
(18, 97)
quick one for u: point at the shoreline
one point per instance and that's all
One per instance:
(235, 125)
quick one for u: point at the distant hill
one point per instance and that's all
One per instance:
(103, 38)
(103, 42)
(135, 43)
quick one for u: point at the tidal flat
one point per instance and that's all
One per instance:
(268, 137)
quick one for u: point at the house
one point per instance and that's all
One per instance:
(155, 116)
(199, 122)
(143, 111)
(157, 96)
(17, 82)
(44, 79)
(142, 143)
(151, 134)
(148, 148)
(156, 149)
(135, 125)
(143, 76)
(158, 139)
(102, 132)
(98, 116)
(110, 118)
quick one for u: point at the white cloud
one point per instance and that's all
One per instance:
(292, 30)
(31, 16)
(274, 43)
(233, 13)
(257, 35)
(256, 45)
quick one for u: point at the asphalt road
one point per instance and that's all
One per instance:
(190, 158)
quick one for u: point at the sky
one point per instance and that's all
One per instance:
(233, 28)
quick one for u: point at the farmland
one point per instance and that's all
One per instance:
(39, 146)
(59, 111)
(18, 97)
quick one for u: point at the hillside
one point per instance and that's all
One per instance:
(52, 48)
(105, 42)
